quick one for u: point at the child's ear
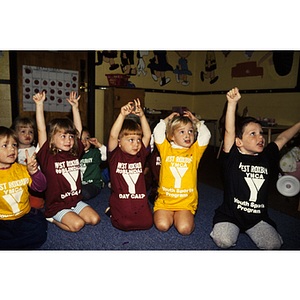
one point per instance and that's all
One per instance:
(119, 143)
(238, 142)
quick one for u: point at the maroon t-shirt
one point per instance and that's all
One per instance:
(128, 202)
(62, 172)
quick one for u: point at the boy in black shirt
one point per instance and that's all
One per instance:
(245, 168)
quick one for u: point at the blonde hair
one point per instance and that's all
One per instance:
(66, 126)
(23, 122)
(130, 127)
(176, 122)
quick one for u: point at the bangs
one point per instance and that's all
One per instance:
(130, 127)
(7, 133)
(62, 125)
(177, 122)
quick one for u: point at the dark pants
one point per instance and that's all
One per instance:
(26, 233)
(89, 191)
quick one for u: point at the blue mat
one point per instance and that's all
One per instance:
(105, 237)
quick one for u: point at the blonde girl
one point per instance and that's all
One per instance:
(177, 193)
(59, 160)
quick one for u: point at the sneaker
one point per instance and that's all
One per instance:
(50, 220)
(107, 212)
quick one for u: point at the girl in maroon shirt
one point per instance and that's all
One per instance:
(59, 160)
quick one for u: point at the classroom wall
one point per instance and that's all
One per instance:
(284, 107)
(5, 99)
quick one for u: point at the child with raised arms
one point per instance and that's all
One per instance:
(127, 151)
(21, 227)
(177, 199)
(59, 156)
(246, 166)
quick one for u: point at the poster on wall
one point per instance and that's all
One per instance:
(57, 84)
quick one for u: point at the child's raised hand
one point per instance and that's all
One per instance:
(188, 114)
(233, 95)
(74, 99)
(31, 163)
(39, 97)
(127, 109)
(137, 110)
(171, 116)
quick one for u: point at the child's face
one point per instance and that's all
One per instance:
(131, 143)
(85, 137)
(253, 141)
(8, 151)
(63, 141)
(183, 135)
(25, 136)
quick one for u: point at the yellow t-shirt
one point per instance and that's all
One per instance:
(178, 177)
(14, 195)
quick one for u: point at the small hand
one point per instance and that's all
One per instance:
(137, 110)
(171, 116)
(39, 97)
(188, 114)
(95, 142)
(31, 163)
(233, 95)
(127, 109)
(73, 100)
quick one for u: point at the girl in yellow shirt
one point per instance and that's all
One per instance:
(177, 193)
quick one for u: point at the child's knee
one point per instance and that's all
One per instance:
(95, 219)
(162, 225)
(223, 241)
(76, 225)
(185, 229)
(274, 244)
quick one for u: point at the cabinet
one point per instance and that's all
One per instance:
(114, 99)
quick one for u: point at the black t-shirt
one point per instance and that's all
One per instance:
(246, 180)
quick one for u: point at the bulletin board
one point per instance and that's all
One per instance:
(57, 84)
(55, 72)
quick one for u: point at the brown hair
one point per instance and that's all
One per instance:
(177, 121)
(130, 127)
(66, 126)
(241, 123)
(7, 133)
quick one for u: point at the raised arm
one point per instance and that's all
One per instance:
(74, 101)
(159, 132)
(144, 123)
(285, 136)
(40, 118)
(116, 128)
(233, 96)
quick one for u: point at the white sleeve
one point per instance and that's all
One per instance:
(151, 143)
(103, 152)
(159, 132)
(204, 134)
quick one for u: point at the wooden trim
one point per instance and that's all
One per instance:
(13, 69)
(257, 91)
